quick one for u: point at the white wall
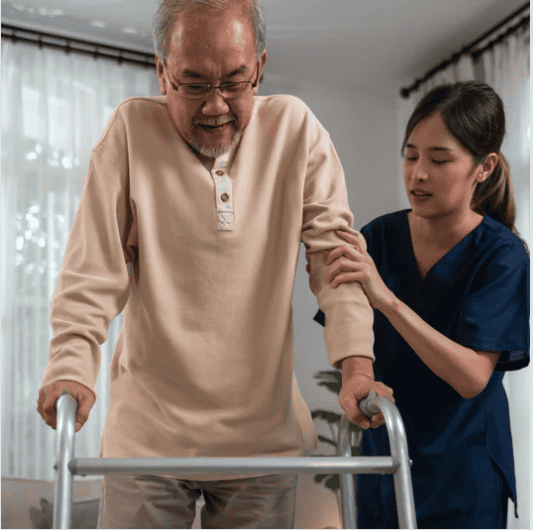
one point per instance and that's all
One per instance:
(363, 130)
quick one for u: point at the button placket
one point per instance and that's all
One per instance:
(223, 190)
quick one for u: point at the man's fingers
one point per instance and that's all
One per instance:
(46, 407)
(361, 420)
(349, 405)
(377, 421)
(351, 395)
(358, 418)
(84, 406)
(48, 398)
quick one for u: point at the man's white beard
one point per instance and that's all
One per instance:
(214, 152)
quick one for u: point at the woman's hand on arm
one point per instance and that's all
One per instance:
(357, 266)
(467, 371)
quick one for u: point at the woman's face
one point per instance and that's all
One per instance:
(439, 173)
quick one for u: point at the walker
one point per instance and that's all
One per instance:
(343, 463)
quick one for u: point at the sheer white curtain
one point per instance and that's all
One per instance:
(505, 68)
(54, 108)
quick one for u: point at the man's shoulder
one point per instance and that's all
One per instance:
(287, 115)
(282, 103)
(133, 114)
(136, 105)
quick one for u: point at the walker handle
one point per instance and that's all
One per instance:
(367, 405)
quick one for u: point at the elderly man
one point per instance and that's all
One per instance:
(190, 222)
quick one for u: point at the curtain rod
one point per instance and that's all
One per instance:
(404, 92)
(71, 44)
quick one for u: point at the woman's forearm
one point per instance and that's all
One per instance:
(466, 370)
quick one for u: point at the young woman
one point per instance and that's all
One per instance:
(449, 282)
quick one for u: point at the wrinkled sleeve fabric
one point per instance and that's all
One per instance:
(495, 316)
(349, 316)
(93, 284)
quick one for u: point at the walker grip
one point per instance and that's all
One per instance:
(367, 406)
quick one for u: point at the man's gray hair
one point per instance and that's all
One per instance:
(170, 9)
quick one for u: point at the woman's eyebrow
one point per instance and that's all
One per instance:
(435, 148)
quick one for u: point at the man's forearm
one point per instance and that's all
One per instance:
(349, 317)
(362, 366)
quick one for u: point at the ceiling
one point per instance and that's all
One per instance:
(373, 46)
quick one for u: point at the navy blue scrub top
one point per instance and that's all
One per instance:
(478, 296)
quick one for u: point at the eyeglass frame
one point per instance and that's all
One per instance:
(175, 86)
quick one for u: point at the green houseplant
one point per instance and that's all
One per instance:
(332, 380)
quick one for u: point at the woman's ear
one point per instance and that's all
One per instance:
(487, 167)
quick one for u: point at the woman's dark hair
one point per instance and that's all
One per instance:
(473, 113)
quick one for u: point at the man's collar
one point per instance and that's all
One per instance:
(223, 161)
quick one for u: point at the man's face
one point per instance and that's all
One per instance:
(210, 47)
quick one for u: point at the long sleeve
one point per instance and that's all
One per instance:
(349, 316)
(93, 285)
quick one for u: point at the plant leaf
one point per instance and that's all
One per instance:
(329, 375)
(331, 379)
(333, 387)
(326, 415)
(326, 440)
(333, 483)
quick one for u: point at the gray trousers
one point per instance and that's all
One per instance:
(160, 502)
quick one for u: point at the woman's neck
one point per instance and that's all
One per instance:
(442, 232)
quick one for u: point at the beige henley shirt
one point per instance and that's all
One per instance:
(202, 264)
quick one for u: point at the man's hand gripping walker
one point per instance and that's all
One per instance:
(343, 463)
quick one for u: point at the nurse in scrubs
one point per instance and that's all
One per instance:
(449, 283)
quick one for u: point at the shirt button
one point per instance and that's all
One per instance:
(224, 197)
(219, 172)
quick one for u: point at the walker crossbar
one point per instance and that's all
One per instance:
(201, 465)
(344, 464)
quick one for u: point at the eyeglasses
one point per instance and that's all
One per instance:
(229, 90)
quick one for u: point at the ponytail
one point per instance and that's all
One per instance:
(494, 196)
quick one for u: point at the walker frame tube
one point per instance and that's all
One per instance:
(398, 463)
(347, 493)
(403, 488)
(66, 413)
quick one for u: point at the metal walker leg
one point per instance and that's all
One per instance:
(66, 413)
(344, 448)
(400, 466)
